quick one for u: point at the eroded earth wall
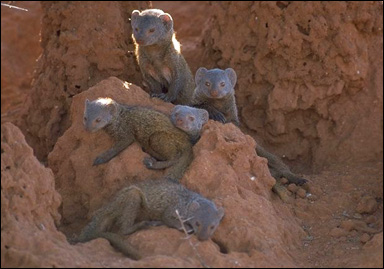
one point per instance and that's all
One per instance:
(310, 75)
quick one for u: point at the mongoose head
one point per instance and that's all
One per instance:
(204, 218)
(152, 26)
(189, 119)
(215, 83)
(98, 113)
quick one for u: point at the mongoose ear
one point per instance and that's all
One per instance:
(135, 14)
(200, 73)
(176, 108)
(231, 75)
(167, 20)
(112, 108)
(194, 206)
(220, 210)
(204, 115)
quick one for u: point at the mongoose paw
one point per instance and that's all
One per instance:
(99, 160)
(301, 181)
(219, 117)
(162, 96)
(148, 162)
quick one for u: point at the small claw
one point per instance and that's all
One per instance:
(148, 162)
(97, 161)
(155, 95)
(301, 181)
(219, 117)
(162, 96)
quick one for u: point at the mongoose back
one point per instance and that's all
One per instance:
(168, 146)
(158, 54)
(215, 93)
(190, 120)
(153, 202)
(192, 126)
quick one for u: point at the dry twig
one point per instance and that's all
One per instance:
(188, 237)
(10, 6)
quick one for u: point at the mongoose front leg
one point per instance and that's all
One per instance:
(214, 114)
(154, 86)
(117, 242)
(112, 152)
(292, 178)
(152, 163)
(173, 90)
(170, 218)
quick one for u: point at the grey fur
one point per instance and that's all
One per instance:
(277, 168)
(154, 202)
(215, 93)
(158, 54)
(168, 146)
(190, 120)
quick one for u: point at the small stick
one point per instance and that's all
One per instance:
(190, 242)
(10, 6)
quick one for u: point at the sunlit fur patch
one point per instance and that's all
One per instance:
(167, 74)
(151, 71)
(176, 44)
(104, 101)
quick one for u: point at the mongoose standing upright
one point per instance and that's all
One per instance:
(158, 54)
(153, 202)
(215, 93)
(190, 120)
(168, 146)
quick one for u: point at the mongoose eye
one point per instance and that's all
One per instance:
(197, 224)
(98, 120)
(212, 227)
(191, 118)
(136, 29)
(222, 84)
(151, 30)
(85, 118)
(207, 84)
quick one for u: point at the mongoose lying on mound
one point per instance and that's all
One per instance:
(168, 146)
(190, 120)
(215, 93)
(158, 54)
(152, 202)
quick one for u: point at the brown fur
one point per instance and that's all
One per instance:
(148, 203)
(168, 146)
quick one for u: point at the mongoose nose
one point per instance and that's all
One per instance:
(201, 237)
(214, 93)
